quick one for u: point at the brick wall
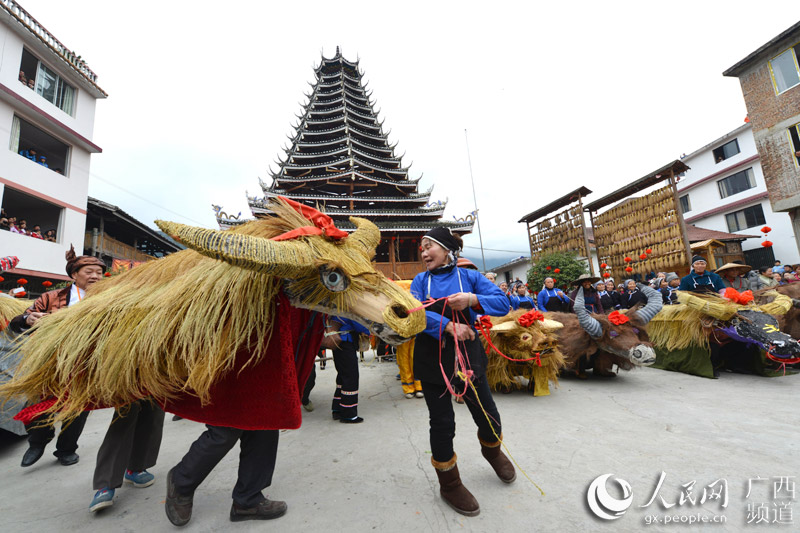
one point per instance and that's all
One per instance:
(771, 115)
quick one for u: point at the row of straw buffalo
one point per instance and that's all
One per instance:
(539, 347)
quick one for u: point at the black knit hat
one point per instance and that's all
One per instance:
(444, 238)
(697, 258)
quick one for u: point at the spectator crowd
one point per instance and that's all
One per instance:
(603, 296)
(10, 223)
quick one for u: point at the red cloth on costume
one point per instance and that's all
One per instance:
(262, 396)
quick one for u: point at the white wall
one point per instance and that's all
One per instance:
(706, 197)
(82, 120)
(34, 179)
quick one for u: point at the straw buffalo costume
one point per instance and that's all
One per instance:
(435, 365)
(223, 333)
(344, 407)
(40, 431)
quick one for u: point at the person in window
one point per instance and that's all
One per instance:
(4, 224)
(733, 276)
(590, 297)
(551, 299)
(521, 300)
(669, 294)
(632, 295)
(32, 155)
(36, 233)
(20, 228)
(700, 280)
(457, 297)
(43, 161)
(609, 298)
(22, 77)
(31, 84)
(50, 235)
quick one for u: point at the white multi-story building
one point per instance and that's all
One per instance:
(725, 191)
(47, 107)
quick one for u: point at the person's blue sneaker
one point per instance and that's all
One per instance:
(140, 479)
(102, 499)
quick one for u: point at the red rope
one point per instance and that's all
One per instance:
(488, 338)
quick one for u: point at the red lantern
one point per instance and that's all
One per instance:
(606, 275)
(22, 281)
(47, 284)
(766, 229)
(548, 268)
(603, 265)
(107, 274)
(628, 259)
(643, 256)
(628, 269)
(557, 271)
(767, 244)
(2, 279)
(648, 251)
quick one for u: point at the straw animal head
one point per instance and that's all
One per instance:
(175, 325)
(335, 277)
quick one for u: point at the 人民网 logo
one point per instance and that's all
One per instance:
(604, 505)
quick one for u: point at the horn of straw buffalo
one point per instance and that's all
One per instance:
(591, 325)
(653, 306)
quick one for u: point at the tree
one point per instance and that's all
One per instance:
(561, 266)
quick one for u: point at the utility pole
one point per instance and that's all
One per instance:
(475, 200)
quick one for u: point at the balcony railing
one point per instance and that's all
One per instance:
(49, 39)
(116, 249)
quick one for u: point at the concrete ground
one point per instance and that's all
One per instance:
(377, 476)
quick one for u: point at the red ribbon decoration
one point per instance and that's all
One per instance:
(617, 318)
(529, 318)
(742, 298)
(323, 224)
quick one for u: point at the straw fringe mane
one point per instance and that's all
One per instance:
(169, 326)
(691, 322)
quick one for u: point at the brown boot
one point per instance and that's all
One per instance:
(502, 466)
(453, 492)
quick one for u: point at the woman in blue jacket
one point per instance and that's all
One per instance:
(468, 294)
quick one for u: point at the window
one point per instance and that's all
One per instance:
(34, 211)
(725, 151)
(785, 71)
(685, 205)
(746, 218)
(794, 138)
(46, 82)
(32, 143)
(736, 183)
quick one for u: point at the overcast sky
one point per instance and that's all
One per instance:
(203, 94)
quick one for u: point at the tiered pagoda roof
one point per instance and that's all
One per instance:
(340, 160)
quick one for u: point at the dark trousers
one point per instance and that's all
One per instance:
(132, 442)
(443, 421)
(345, 399)
(256, 462)
(310, 382)
(39, 435)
